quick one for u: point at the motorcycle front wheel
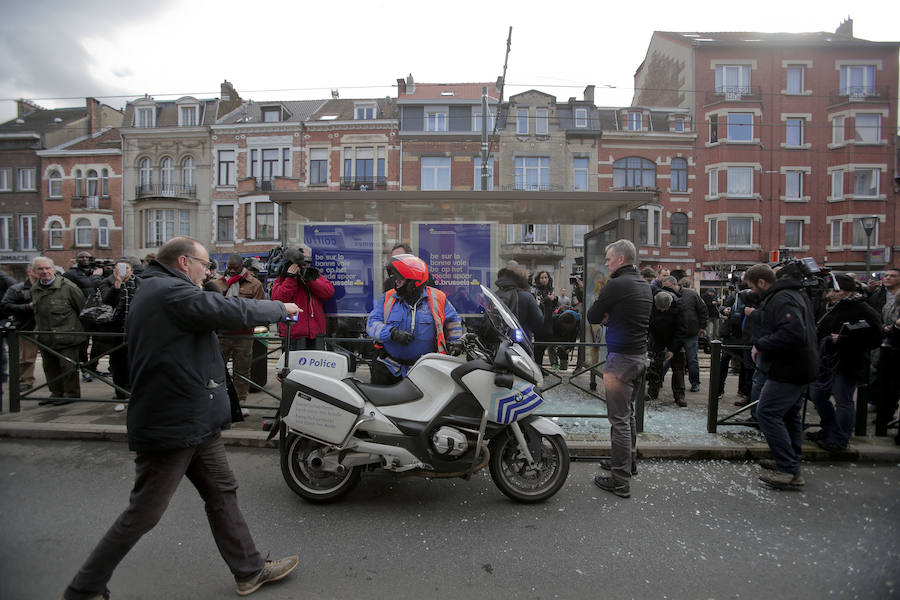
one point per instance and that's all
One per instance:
(301, 466)
(521, 482)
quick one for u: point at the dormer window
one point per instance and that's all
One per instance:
(580, 117)
(364, 112)
(635, 121)
(145, 116)
(678, 125)
(271, 114)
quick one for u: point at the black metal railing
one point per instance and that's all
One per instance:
(363, 183)
(858, 94)
(91, 202)
(738, 93)
(164, 190)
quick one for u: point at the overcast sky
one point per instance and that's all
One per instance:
(56, 52)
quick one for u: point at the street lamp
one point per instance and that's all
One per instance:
(868, 225)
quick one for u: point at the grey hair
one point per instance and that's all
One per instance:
(37, 258)
(685, 282)
(625, 249)
(668, 279)
(663, 300)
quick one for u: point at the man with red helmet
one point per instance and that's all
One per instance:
(411, 320)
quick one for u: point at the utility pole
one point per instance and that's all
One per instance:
(485, 119)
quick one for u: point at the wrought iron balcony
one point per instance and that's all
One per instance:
(363, 183)
(858, 94)
(524, 187)
(91, 202)
(734, 94)
(166, 191)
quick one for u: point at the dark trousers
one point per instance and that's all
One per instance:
(779, 418)
(623, 377)
(54, 366)
(118, 366)
(303, 343)
(381, 375)
(655, 373)
(157, 475)
(745, 378)
(888, 388)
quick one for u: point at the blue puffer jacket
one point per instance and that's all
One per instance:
(178, 396)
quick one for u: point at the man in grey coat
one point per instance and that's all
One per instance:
(179, 405)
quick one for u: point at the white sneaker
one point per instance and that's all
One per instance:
(245, 412)
(119, 407)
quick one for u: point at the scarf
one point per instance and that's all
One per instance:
(234, 284)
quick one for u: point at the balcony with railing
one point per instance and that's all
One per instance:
(853, 94)
(532, 187)
(738, 93)
(91, 203)
(363, 183)
(159, 190)
(527, 250)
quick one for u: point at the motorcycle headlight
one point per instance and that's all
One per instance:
(526, 368)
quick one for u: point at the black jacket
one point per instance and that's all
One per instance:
(548, 307)
(84, 279)
(512, 288)
(667, 329)
(855, 342)
(120, 299)
(178, 396)
(17, 304)
(693, 311)
(627, 299)
(785, 333)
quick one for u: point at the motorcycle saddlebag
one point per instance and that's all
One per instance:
(321, 408)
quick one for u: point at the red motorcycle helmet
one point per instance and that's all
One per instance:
(409, 267)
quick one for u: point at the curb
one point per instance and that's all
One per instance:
(579, 450)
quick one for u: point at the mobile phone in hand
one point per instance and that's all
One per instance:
(121, 270)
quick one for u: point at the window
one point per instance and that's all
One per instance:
(365, 165)
(55, 235)
(224, 223)
(713, 129)
(476, 119)
(104, 183)
(733, 80)
(740, 127)
(634, 172)
(83, 233)
(436, 119)
(793, 185)
(381, 166)
(857, 80)
(635, 121)
(5, 227)
(435, 173)
(541, 124)
(578, 233)
(145, 116)
(364, 112)
(54, 184)
(166, 176)
(165, 223)
(793, 135)
(27, 232)
(865, 183)
(678, 230)
(259, 218)
(270, 163)
(795, 80)
(859, 234)
(93, 181)
(836, 227)
(477, 173)
(5, 179)
(740, 230)
(714, 182)
(532, 173)
(837, 184)
(187, 116)
(580, 174)
(271, 114)
(837, 131)
(581, 117)
(226, 167)
(678, 125)
(534, 234)
(740, 181)
(318, 166)
(103, 233)
(868, 129)
(188, 173)
(793, 234)
(650, 226)
(26, 180)
(678, 175)
(522, 121)
(145, 174)
(79, 183)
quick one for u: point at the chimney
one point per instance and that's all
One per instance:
(229, 97)
(845, 28)
(410, 85)
(94, 115)
(26, 107)
(589, 94)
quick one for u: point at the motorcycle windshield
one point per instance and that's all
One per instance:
(501, 309)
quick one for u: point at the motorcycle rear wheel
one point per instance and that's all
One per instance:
(513, 476)
(301, 468)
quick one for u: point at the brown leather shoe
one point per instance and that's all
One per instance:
(272, 571)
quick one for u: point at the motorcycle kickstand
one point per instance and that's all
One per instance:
(523, 447)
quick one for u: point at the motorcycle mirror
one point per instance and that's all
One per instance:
(504, 380)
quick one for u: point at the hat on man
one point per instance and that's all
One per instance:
(845, 282)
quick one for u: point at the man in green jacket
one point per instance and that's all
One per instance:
(57, 305)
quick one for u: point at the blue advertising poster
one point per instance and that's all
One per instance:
(344, 253)
(458, 256)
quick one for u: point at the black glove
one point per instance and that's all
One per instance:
(457, 347)
(310, 273)
(401, 336)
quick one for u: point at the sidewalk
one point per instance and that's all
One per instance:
(669, 431)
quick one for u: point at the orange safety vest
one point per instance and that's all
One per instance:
(437, 301)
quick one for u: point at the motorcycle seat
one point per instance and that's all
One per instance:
(387, 395)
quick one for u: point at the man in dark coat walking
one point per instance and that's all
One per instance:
(693, 311)
(179, 405)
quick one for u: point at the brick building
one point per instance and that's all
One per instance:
(795, 142)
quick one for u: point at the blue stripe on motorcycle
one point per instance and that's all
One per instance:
(525, 408)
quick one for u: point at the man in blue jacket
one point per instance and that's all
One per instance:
(179, 405)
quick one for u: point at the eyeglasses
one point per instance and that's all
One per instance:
(206, 264)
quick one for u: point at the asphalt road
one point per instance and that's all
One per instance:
(691, 530)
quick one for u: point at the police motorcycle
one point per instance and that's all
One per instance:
(451, 416)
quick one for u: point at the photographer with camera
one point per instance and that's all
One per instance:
(302, 284)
